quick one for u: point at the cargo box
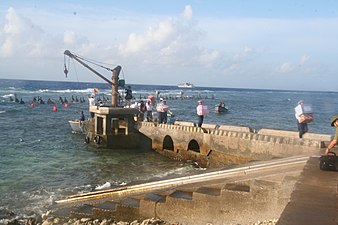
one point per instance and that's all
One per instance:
(303, 109)
(305, 118)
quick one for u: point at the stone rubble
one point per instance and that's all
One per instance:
(50, 220)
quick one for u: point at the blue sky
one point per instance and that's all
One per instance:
(289, 45)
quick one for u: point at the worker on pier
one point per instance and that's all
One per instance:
(302, 118)
(129, 95)
(334, 142)
(162, 110)
(202, 110)
(92, 102)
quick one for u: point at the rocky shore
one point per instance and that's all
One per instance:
(47, 219)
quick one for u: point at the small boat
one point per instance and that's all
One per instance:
(185, 85)
(221, 108)
(77, 126)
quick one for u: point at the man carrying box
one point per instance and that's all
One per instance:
(303, 115)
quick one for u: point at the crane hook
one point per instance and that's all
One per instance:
(65, 70)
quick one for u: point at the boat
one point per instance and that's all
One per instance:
(77, 126)
(185, 85)
(221, 108)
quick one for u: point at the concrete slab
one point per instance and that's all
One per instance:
(182, 194)
(314, 200)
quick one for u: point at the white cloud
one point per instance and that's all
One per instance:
(235, 49)
(244, 54)
(304, 59)
(209, 57)
(188, 12)
(69, 37)
(175, 40)
(21, 37)
(286, 67)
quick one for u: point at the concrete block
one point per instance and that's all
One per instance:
(210, 126)
(182, 123)
(294, 134)
(175, 210)
(235, 128)
(84, 211)
(181, 194)
(147, 208)
(105, 210)
(154, 197)
(240, 187)
(207, 194)
(63, 212)
(128, 210)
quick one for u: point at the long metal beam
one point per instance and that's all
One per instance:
(237, 173)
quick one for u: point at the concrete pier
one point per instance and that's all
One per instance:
(293, 191)
(275, 177)
(241, 195)
(315, 198)
(217, 146)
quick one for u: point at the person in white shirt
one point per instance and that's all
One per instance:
(92, 102)
(200, 115)
(162, 109)
(302, 127)
(150, 108)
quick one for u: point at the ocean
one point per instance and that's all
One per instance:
(42, 160)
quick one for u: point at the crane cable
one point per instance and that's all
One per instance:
(94, 62)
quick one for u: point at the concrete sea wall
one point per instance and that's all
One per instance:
(215, 145)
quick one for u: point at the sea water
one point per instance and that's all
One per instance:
(42, 160)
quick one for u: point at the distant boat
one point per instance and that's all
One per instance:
(186, 85)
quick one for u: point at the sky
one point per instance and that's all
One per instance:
(261, 44)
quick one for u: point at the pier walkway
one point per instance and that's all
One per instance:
(315, 198)
(240, 195)
(293, 190)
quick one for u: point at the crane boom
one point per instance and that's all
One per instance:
(113, 82)
(69, 54)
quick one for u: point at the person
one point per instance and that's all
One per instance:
(92, 102)
(142, 109)
(334, 142)
(61, 100)
(302, 126)
(49, 101)
(129, 95)
(162, 109)
(200, 115)
(150, 108)
(16, 98)
(82, 116)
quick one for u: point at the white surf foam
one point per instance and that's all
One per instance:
(103, 186)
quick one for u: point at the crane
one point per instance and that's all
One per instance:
(114, 82)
